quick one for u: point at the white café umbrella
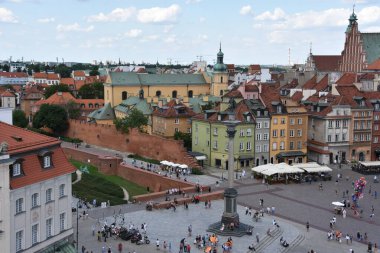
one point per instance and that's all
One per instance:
(164, 162)
(170, 164)
(337, 203)
(183, 166)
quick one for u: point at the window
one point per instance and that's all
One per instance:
(61, 190)
(16, 169)
(208, 143)
(174, 94)
(124, 95)
(189, 130)
(356, 124)
(19, 236)
(274, 146)
(368, 137)
(241, 134)
(368, 114)
(376, 117)
(291, 121)
(291, 133)
(249, 132)
(258, 148)
(345, 123)
(34, 234)
(282, 132)
(337, 123)
(47, 161)
(176, 130)
(19, 205)
(376, 127)
(215, 144)
(241, 146)
(265, 136)
(300, 121)
(34, 200)
(376, 139)
(196, 140)
(275, 121)
(248, 145)
(274, 133)
(176, 121)
(299, 145)
(266, 124)
(258, 137)
(282, 145)
(62, 217)
(291, 145)
(299, 133)
(215, 131)
(49, 194)
(282, 120)
(344, 136)
(356, 138)
(190, 93)
(337, 137)
(258, 125)
(265, 148)
(329, 138)
(158, 93)
(279, 109)
(49, 228)
(368, 124)
(330, 124)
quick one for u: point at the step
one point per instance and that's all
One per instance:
(293, 244)
(268, 240)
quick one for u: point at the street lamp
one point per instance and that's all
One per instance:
(78, 224)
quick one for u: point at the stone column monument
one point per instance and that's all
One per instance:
(230, 214)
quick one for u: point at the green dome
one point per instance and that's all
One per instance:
(220, 67)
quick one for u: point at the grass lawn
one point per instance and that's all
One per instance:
(95, 185)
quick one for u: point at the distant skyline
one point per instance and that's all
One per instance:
(251, 32)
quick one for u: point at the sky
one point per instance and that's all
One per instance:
(136, 31)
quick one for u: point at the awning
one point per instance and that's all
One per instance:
(316, 169)
(246, 157)
(290, 154)
(202, 157)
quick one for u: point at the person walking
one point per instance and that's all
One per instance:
(157, 244)
(307, 226)
(120, 247)
(257, 238)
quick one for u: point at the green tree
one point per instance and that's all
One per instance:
(186, 137)
(91, 91)
(54, 88)
(6, 68)
(94, 71)
(63, 70)
(135, 119)
(73, 110)
(9, 87)
(51, 116)
(19, 118)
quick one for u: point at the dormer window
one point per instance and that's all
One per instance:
(362, 103)
(279, 109)
(47, 161)
(16, 169)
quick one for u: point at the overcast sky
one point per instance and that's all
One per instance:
(255, 31)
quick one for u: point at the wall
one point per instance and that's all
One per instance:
(146, 145)
(112, 166)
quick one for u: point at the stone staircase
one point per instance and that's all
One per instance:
(239, 232)
(293, 244)
(268, 240)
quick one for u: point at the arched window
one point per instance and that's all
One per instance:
(221, 92)
(90, 105)
(221, 79)
(190, 93)
(174, 94)
(124, 95)
(96, 105)
(158, 93)
(82, 105)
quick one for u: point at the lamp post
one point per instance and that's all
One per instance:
(78, 225)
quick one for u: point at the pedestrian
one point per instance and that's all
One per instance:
(246, 210)
(109, 250)
(375, 194)
(99, 236)
(257, 238)
(209, 204)
(351, 236)
(83, 249)
(273, 209)
(103, 249)
(157, 244)
(307, 226)
(93, 229)
(189, 229)
(347, 238)
(344, 213)
(165, 245)
(120, 247)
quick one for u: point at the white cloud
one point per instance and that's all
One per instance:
(277, 14)
(171, 38)
(118, 14)
(277, 37)
(245, 10)
(86, 44)
(74, 28)
(329, 17)
(202, 19)
(149, 38)
(158, 14)
(369, 15)
(45, 20)
(133, 33)
(7, 16)
(168, 28)
(1, 33)
(106, 42)
(371, 29)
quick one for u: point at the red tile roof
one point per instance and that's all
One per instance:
(27, 145)
(326, 62)
(7, 94)
(323, 84)
(374, 65)
(251, 88)
(58, 98)
(49, 76)
(235, 93)
(297, 96)
(14, 74)
(309, 85)
(347, 79)
(349, 92)
(172, 110)
(79, 73)
(67, 81)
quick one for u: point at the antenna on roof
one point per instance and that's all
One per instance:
(353, 7)
(289, 56)
(311, 47)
